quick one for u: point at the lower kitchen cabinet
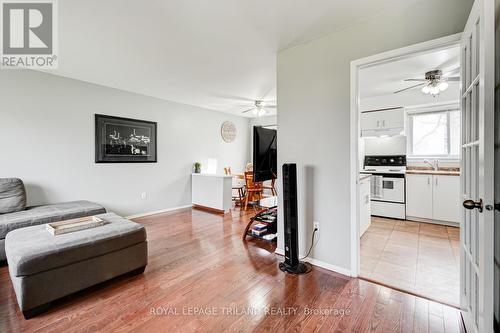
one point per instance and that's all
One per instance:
(419, 196)
(446, 198)
(433, 197)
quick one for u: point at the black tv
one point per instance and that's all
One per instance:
(264, 154)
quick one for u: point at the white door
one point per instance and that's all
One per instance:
(476, 239)
(446, 197)
(419, 196)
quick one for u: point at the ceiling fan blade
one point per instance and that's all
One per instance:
(272, 90)
(270, 106)
(415, 80)
(417, 85)
(452, 64)
(242, 105)
(453, 79)
(248, 110)
(233, 97)
(451, 72)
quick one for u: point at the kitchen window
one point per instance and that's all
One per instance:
(434, 134)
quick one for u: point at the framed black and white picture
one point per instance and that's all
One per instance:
(124, 140)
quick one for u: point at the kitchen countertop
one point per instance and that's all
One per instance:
(364, 176)
(429, 171)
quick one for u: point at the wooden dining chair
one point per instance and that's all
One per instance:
(272, 188)
(253, 189)
(238, 188)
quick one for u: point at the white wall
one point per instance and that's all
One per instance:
(313, 117)
(385, 146)
(263, 121)
(47, 135)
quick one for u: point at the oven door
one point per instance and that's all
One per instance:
(393, 189)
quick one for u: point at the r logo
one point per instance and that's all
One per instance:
(27, 28)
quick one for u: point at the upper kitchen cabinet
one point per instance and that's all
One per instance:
(388, 122)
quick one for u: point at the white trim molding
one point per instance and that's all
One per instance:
(433, 108)
(166, 210)
(319, 263)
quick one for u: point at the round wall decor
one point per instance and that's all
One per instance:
(228, 131)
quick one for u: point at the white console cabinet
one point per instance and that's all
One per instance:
(212, 191)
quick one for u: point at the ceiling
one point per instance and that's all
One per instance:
(385, 79)
(218, 54)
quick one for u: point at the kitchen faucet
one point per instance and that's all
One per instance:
(434, 164)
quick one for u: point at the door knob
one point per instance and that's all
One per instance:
(471, 204)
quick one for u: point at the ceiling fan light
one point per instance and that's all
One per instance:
(443, 86)
(255, 112)
(426, 90)
(261, 112)
(434, 91)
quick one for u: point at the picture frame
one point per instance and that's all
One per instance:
(125, 140)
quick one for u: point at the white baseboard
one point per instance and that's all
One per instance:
(320, 263)
(424, 220)
(329, 267)
(157, 212)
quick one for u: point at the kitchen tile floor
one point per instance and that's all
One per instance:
(417, 257)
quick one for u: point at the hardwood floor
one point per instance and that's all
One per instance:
(421, 258)
(202, 277)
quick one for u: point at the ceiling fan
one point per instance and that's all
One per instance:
(259, 108)
(434, 82)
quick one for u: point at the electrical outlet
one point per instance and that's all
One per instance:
(144, 195)
(316, 225)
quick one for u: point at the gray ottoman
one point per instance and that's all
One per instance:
(45, 214)
(44, 267)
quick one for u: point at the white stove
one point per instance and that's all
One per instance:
(387, 190)
(387, 170)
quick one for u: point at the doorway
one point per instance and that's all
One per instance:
(409, 161)
(477, 48)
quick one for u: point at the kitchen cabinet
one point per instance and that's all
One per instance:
(419, 196)
(385, 119)
(365, 219)
(433, 197)
(446, 198)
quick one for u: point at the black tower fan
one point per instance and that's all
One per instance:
(291, 264)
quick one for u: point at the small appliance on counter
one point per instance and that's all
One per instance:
(387, 189)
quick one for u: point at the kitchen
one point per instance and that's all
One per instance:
(409, 181)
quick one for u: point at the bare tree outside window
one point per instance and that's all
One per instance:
(435, 134)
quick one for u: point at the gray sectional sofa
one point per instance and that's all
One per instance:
(14, 214)
(44, 267)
